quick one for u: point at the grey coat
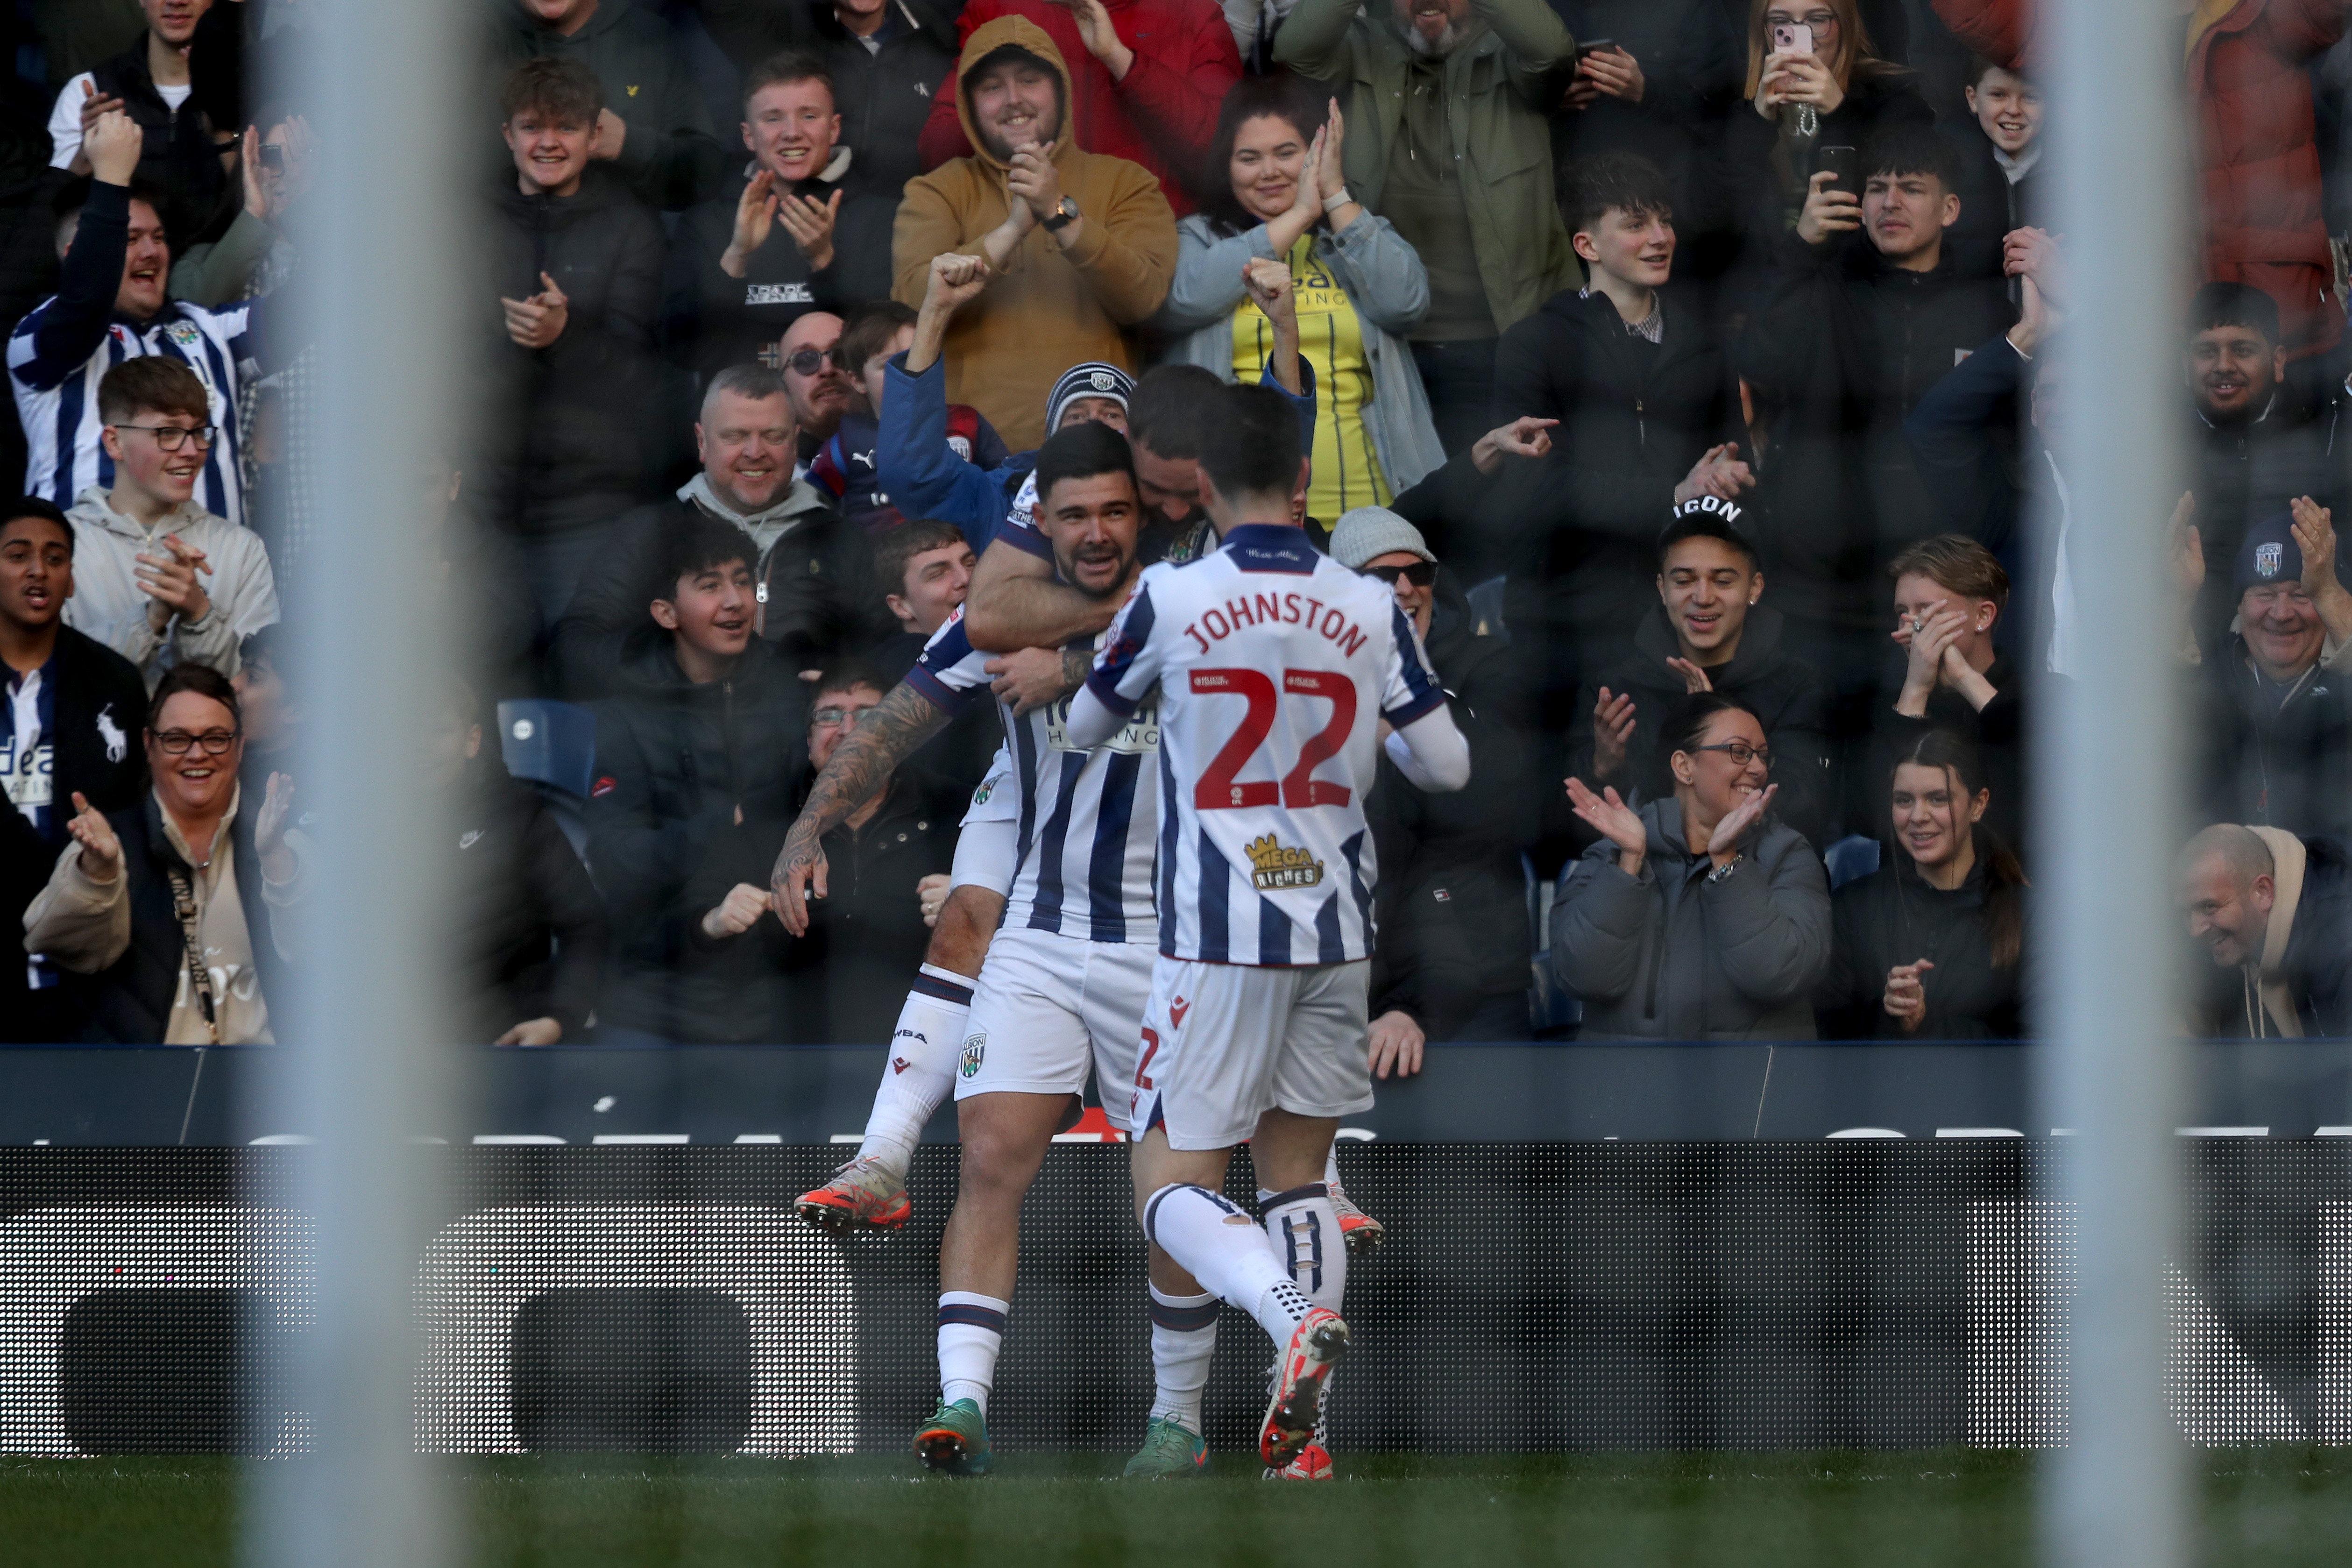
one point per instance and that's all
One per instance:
(1386, 283)
(1669, 955)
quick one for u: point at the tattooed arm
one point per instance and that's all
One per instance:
(859, 766)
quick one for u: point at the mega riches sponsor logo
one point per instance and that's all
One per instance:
(1277, 867)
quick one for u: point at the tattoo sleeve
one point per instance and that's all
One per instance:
(1078, 663)
(903, 721)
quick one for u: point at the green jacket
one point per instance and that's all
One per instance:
(1498, 85)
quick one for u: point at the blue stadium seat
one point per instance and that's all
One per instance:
(1554, 1012)
(1851, 858)
(552, 746)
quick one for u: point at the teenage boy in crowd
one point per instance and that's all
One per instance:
(575, 265)
(846, 467)
(784, 236)
(161, 580)
(1648, 418)
(923, 571)
(1867, 312)
(1710, 631)
(745, 438)
(1080, 247)
(69, 727)
(654, 131)
(112, 303)
(707, 733)
(2001, 156)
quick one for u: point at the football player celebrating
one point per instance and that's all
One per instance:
(1277, 674)
(1061, 990)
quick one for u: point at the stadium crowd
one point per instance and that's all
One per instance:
(1688, 371)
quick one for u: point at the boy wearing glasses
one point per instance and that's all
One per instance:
(158, 578)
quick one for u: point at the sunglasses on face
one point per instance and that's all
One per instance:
(1421, 573)
(809, 362)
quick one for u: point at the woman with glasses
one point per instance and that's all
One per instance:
(1356, 288)
(1931, 946)
(179, 913)
(1699, 915)
(1813, 80)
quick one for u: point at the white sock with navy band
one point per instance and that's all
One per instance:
(971, 1332)
(1183, 1340)
(1304, 1226)
(1222, 1247)
(921, 1067)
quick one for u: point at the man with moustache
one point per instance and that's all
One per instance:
(1079, 246)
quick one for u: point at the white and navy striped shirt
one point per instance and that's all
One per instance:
(1271, 663)
(1087, 817)
(65, 345)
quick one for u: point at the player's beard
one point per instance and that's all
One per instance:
(1118, 585)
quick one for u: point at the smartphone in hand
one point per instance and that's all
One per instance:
(1843, 164)
(1791, 38)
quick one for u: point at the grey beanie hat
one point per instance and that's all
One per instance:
(1369, 532)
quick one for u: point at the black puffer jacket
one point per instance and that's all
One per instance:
(1451, 901)
(1787, 696)
(1843, 351)
(669, 159)
(1892, 916)
(2288, 766)
(885, 95)
(674, 761)
(525, 926)
(564, 422)
(844, 982)
(1633, 417)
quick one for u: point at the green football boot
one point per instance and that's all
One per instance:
(1172, 1451)
(954, 1441)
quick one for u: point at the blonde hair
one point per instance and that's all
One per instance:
(1855, 54)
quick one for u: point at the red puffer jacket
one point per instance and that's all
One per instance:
(2256, 148)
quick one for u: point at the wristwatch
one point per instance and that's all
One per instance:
(1063, 216)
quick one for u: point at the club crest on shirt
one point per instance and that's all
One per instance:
(1276, 868)
(975, 1049)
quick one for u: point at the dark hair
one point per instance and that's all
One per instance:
(788, 67)
(1913, 150)
(1955, 562)
(1253, 446)
(844, 675)
(698, 545)
(906, 542)
(1015, 54)
(269, 645)
(152, 381)
(1590, 187)
(2233, 305)
(200, 678)
(1166, 412)
(1301, 105)
(2004, 877)
(868, 331)
(1685, 727)
(1979, 66)
(553, 84)
(1081, 452)
(34, 506)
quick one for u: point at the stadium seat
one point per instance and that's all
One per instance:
(1851, 858)
(1554, 1012)
(553, 746)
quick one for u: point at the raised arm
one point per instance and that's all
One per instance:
(1015, 602)
(1431, 752)
(900, 723)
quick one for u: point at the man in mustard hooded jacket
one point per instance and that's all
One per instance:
(1079, 246)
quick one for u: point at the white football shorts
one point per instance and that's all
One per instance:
(1048, 1009)
(987, 851)
(1224, 1043)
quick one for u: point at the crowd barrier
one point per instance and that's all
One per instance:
(1850, 1293)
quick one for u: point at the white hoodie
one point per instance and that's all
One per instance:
(107, 604)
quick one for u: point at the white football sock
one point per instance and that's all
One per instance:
(1304, 1227)
(921, 1066)
(1331, 1173)
(1223, 1249)
(971, 1332)
(1183, 1339)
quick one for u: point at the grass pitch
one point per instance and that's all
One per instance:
(2284, 1507)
